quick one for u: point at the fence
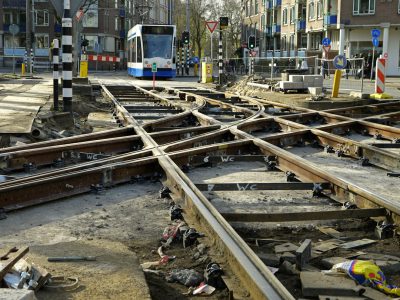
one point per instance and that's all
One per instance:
(267, 67)
(352, 76)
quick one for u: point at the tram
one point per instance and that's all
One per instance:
(149, 44)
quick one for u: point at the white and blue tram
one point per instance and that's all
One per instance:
(150, 44)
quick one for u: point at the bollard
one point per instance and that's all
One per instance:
(220, 61)
(67, 57)
(336, 83)
(32, 62)
(55, 73)
(380, 75)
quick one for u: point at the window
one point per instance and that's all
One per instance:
(311, 12)
(363, 7)
(283, 43)
(247, 8)
(256, 7)
(42, 41)
(139, 50)
(303, 40)
(263, 23)
(319, 9)
(7, 18)
(41, 18)
(116, 24)
(292, 14)
(398, 9)
(284, 16)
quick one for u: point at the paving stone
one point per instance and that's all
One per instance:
(288, 256)
(358, 243)
(286, 247)
(317, 283)
(303, 254)
(12, 294)
(269, 259)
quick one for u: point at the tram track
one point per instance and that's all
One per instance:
(172, 134)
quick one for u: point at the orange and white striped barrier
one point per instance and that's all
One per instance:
(105, 58)
(380, 75)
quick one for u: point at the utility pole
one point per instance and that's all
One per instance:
(28, 25)
(187, 16)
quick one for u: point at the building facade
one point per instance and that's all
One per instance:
(296, 27)
(104, 25)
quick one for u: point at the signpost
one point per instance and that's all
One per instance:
(211, 25)
(375, 33)
(339, 63)
(326, 46)
(14, 29)
(154, 70)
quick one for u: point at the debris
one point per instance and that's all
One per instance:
(286, 247)
(190, 237)
(204, 289)
(164, 258)
(367, 273)
(331, 232)
(61, 283)
(164, 192)
(212, 275)
(9, 259)
(185, 276)
(329, 262)
(272, 269)
(71, 258)
(324, 246)
(358, 243)
(303, 254)
(384, 230)
(175, 212)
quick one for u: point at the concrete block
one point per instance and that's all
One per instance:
(269, 259)
(20, 294)
(318, 82)
(308, 78)
(296, 78)
(329, 262)
(359, 95)
(317, 283)
(303, 254)
(285, 76)
(315, 91)
(287, 256)
(287, 85)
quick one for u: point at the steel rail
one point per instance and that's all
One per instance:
(264, 285)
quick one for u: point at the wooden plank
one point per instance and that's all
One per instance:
(259, 186)
(305, 216)
(8, 260)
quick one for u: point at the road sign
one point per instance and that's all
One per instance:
(326, 48)
(211, 25)
(326, 42)
(59, 6)
(375, 33)
(375, 42)
(154, 67)
(14, 29)
(253, 53)
(340, 62)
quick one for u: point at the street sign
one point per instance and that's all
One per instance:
(326, 42)
(59, 6)
(14, 29)
(375, 42)
(375, 33)
(154, 67)
(211, 25)
(340, 62)
(326, 48)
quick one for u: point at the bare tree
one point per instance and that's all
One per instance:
(198, 11)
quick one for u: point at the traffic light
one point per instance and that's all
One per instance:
(223, 22)
(84, 43)
(252, 42)
(185, 37)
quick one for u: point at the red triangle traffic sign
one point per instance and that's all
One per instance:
(211, 25)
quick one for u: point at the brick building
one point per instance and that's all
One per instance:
(104, 25)
(297, 27)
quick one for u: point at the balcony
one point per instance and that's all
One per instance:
(22, 27)
(277, 3)
(14, 4)
(330, 20)
(300, 25)
(276, 28)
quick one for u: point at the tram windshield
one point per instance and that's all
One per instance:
(157, 45)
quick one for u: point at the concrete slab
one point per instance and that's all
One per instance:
(11, 294)
(317, 283)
